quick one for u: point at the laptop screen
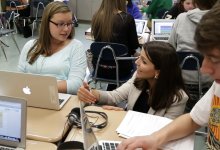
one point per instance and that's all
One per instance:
(163, 26)
(12, 122)
(141, 26)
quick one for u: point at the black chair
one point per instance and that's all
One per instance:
(192, 61)
(109, 59)
(38, 8)
(5, 30)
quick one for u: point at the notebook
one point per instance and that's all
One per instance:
(39, 91)
(141, 27)
(12, 123)
(161, 29)
(90, 140)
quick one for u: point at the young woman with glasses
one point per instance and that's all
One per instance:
(55, 52)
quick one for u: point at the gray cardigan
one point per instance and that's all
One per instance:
(130, 93)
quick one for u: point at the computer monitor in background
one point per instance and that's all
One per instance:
(162, 28)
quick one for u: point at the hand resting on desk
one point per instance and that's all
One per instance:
(108, 107)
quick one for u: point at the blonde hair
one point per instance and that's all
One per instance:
(43, 43)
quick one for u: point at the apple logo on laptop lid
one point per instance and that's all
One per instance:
(27, 90)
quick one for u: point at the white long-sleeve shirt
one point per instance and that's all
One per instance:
(68, 64)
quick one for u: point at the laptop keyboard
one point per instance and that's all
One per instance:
(60, 101)
(6, 148)
(161, 38)
(109, 146)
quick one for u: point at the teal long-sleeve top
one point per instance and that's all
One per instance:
(68, 64)
(156, 6)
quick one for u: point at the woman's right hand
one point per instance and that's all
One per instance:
(84, 94)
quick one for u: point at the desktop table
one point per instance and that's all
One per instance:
(36, 145)
(107, 133)
(145, 38)
(48, 125)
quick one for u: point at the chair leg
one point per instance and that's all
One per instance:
(33, 26)
(3, 50)
(15, 43)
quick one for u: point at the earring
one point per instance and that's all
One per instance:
(156, 76)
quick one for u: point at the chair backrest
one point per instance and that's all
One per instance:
(106, 56)
(191, 61)
(119, 50)
(14, 4)
(37, 7)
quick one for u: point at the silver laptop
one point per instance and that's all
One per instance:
(161, 29)
(90, 140)
(12, 123)
(141, 27)
(39, 91)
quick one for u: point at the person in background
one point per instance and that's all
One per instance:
(56, 53)
(111, 23)
(156, 88)
(178, 8)
(157, 8)
(182, 37)
(206, 111)
(133, 10)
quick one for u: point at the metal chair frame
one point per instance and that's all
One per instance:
(4, 32)
(36, 16)
(14, 15)
(193, 57)
(105, 48)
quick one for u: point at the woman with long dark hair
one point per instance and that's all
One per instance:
(156, 88)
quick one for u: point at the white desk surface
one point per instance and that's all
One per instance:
(141, 41)
(48, 125)
(36, 145)
(107, 133)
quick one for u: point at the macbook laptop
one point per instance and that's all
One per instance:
(161, 29)
(90, 140)
(12, 123)
(39, 91)
(141, 27)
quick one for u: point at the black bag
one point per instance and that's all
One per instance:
(23, 28)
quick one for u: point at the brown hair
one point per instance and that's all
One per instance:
(102, 21)
(42, 44)
(204, 4)
(166, 89)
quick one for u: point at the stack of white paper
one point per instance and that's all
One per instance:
(140, 124)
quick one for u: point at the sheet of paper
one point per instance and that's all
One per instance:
(137, 124)
(140, 124)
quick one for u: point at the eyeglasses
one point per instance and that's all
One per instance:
(62, 25)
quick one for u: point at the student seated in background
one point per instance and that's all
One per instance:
(55, 52)
(20, 5)
(206, 111)
(156, 10)
(111, 23)
(133, 10)
(182, 36)
(178, 8)
(156, 88)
